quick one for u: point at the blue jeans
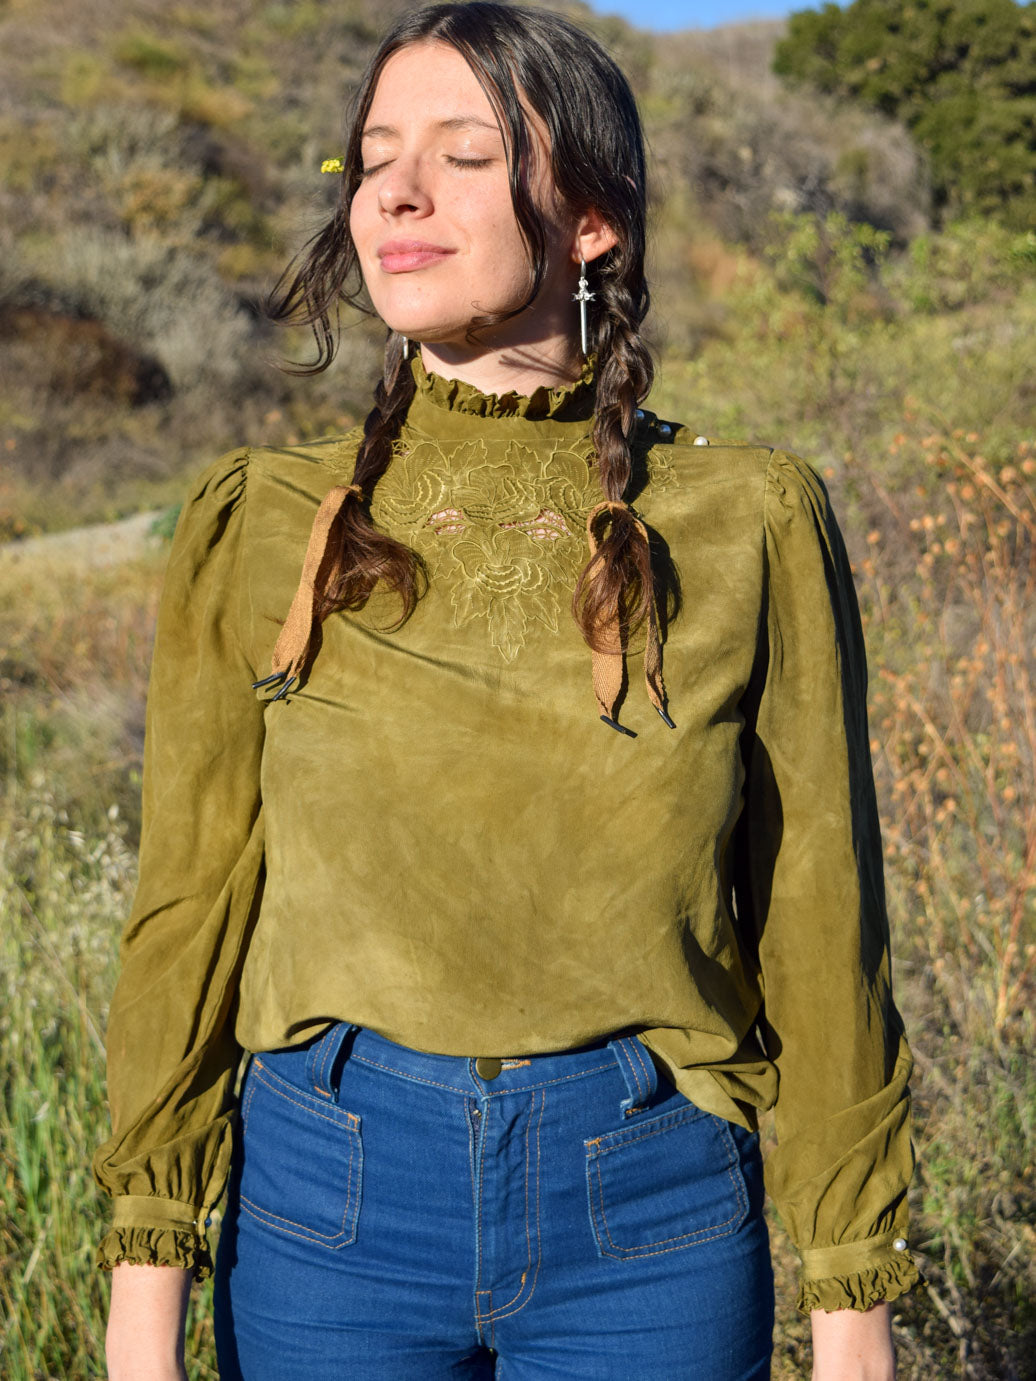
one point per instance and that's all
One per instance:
(399, 1216)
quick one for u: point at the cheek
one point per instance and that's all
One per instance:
(480, 211)
(359, 220)
(365, 228)
(496, 240)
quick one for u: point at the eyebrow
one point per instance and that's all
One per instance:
(455, 122)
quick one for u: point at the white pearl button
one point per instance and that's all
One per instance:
(701, 441)
(899, 1245)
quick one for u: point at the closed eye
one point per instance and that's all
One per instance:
(453, 162)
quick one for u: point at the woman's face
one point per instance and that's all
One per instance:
(432, 220)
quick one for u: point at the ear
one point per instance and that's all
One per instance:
(593, 237)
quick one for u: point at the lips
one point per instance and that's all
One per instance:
(404, 256)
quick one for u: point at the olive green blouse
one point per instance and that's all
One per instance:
(435, 836)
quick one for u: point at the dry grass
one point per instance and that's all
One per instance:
(947, 586)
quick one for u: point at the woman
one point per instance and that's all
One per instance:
(501, 969)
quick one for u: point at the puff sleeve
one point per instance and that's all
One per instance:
(809, 877)
(172, 1056)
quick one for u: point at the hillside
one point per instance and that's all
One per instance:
(159, 167)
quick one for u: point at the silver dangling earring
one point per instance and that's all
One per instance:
(583, 296)
(406, 348)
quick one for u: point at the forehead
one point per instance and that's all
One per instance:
(429, 80)
(430, 83)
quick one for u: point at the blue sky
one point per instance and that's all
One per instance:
(697, 14)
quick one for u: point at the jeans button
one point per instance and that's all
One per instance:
(488, 1066)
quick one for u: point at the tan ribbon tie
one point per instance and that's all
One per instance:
(292, 649)
(607, 661)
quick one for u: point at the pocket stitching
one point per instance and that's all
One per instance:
(626, 1136)
(291, 1094)
(347, 1232)
(308, 1233)
(708, 1234)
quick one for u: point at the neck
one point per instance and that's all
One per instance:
(518, 369)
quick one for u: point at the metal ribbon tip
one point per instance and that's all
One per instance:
(269, 680)
(619, 728)
(665, 718)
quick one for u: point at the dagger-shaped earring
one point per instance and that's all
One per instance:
(583, 296)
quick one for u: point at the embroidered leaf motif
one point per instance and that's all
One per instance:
(659, 467)
(499, 525)
(507, 584)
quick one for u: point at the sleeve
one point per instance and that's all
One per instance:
(172, 1056)
(809, 879)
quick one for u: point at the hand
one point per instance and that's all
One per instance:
(145, 1339)
(853, 1345)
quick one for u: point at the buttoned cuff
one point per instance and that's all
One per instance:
(148, 1231)
(856, 1275)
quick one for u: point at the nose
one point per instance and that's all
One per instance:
(402, 189)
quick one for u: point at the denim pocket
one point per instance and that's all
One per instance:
(302, 1162)
(665, 1183)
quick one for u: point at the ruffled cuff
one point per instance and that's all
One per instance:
(156, 1232)
(856, 1275)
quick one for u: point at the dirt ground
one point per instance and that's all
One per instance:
(93, 547)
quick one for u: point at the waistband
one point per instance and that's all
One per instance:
(322, 1061)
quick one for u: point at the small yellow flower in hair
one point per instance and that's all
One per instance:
(332, 165)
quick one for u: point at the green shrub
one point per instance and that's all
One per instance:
(151, 55)
(165, 523)
(964, 264)
(959, 73)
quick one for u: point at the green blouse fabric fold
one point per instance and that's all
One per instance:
(714, 888)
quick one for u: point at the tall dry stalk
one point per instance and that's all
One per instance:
(954, 616)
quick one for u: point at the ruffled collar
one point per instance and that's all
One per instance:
(569, 403)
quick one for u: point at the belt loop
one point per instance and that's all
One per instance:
(322, 1062)
(638, 1070)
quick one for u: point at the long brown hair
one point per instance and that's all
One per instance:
(597, 161)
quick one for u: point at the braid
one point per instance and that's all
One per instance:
(359, 554)
(617, 578)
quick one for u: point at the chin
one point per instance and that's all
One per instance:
(422, 333)
(423, 327)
